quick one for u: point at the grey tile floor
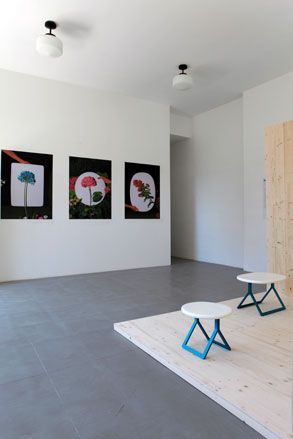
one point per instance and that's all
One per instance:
(65, 374)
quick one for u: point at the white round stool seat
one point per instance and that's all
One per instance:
(206, 310)
(261, 278)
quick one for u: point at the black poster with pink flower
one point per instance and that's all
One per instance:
(89, 188)
(142, 191)
(26, 185)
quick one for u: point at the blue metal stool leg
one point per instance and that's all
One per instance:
(258, 302)
(271, 311)
(225, 344)
(190, 332)
(266, 294)
(248, 294)
(211, 339)
(203, 330)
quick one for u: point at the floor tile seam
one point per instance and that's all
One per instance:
(35, 375)
(55, 389)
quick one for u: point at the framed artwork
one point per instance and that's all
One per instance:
(89, 188)
(142, 191)
(26, 185)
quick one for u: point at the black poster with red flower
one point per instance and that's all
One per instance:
(89, 188)
(142, 191)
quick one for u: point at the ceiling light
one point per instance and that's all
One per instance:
(182, 81)
(49, 44)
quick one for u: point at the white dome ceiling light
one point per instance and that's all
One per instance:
(49, 44)
(182, 81)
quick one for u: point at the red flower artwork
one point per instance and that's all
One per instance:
(107, 189)
(138, 184)
(72, 182)
(88, 182)
(144, 191)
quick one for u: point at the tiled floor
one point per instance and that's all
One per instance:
(65, 374)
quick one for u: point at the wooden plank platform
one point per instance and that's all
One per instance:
(253, 381)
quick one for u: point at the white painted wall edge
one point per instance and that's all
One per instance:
(180, 125)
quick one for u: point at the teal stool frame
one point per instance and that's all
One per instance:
(210, 339)
(258, 302)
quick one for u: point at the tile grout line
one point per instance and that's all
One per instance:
(54, 387)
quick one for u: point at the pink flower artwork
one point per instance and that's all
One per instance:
(88, 182)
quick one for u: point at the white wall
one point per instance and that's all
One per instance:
(180, 125)
(50, 117)
(207, 188)
(208, 218)
(267, 104)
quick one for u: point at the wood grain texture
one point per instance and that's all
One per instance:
(253, 381)
(279, 201)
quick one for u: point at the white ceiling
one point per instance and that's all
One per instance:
(133, 46)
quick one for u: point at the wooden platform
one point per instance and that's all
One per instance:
(253, 381)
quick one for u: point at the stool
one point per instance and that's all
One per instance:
(205, 310)
(261, 278)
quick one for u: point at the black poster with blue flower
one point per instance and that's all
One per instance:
(26, 185)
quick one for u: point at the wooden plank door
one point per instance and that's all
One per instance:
(279, 200)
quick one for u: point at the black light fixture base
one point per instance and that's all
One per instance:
(51, 25)
(182, 67)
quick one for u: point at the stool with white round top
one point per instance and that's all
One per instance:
(261, 278)
(210, 311)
